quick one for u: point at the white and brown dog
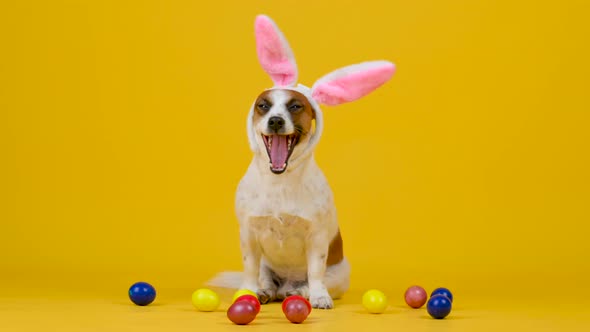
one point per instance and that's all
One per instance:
(290, 239)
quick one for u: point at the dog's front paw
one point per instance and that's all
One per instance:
(321, 301)
(266, 295)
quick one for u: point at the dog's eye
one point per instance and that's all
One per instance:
(263, 107)
(295, 107)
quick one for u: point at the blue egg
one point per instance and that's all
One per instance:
(142, 293)
(439, 306)
(442, 291)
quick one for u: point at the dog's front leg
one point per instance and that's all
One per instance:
(251, 254)
(317, 254)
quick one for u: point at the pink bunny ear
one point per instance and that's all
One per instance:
(274, 53)
(352, 82)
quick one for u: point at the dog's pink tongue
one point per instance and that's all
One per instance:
(278, 151)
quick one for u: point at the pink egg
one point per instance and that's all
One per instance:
(296, 311)
(415, 296)
(241, 312)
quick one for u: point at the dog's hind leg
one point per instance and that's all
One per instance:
(269, 283)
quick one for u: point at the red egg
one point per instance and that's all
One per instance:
(250, 298)
(415, 296)
(296, 311)
(241, 312)
(296, 297)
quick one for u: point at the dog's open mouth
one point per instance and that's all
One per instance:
(279, 149)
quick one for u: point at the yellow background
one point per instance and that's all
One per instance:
(122, 139)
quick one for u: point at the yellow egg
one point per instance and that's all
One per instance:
(205, 300)
(241, 292)
(374, 301)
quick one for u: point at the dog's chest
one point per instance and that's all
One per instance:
(281, 238)
(309, 197)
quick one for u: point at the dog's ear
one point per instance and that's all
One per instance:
(274, 52)
(352, 82)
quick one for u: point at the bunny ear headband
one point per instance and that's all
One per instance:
(340, 86)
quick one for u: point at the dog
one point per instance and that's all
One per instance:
(289, 234)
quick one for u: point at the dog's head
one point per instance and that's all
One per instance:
(285, 122)
(282, 121)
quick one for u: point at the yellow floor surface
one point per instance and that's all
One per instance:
(63, 310)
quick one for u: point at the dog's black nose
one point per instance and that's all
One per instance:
(275, 123)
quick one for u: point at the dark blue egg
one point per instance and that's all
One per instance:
(142, 293)
(439, 306)
(442, 291)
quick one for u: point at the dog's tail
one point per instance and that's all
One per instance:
(226, 279)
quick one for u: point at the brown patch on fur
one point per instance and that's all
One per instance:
(263, 97)
(303, 117)
(336, 251)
